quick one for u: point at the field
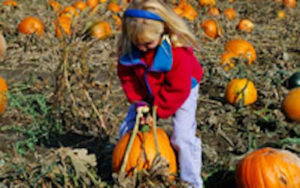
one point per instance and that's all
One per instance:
(65, 103)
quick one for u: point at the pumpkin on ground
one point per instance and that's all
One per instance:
(143, 151)
(245, 25)
(213, 11)
(207, 2)
(3, 89)
(291, 105)
(242, 48)
(229, 13)
(100, 30)
(211, 28)
(268, 168)
(3, 45)
(185, 10)
(289, 3)
(31, 25)
(241, 89)
(80, 5)
(281, 14)
(63, 23)
(10, 3)
(293, 81)
(54, 5)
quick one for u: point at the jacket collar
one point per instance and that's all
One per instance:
(163, 57)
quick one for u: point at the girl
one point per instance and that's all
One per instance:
(157, 67)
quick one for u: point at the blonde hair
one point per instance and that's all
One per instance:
(144, 30)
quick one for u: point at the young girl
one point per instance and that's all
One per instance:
(157, 67)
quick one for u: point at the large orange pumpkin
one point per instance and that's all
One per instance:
(291, 104)
(269, 168)
(30, 25)
(3, 89)
(2, 45)
(241, 89)
(143, 151)
(242, 48)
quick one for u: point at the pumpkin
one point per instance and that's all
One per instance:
(213, 11)
(241, 89)
(3, 89)
(289, 3)
(189, 12)
(10, 3)
(207, 2)
(291, 105)
(268, 168)
(80, 5)
(280, 14)
(241, 48)
(293, 81)
(211, 28)
(63, 22)
(69, 11)
(55, 5)
(143, 151)
(30, 25)
(114, 7)
(226, 60)
(245, 25)
(92, 3)
(3, 45)
(229, 13)
(100, 30)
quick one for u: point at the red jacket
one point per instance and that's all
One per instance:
(163, 77)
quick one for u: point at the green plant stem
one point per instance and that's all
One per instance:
(154, 129)
(133, 134)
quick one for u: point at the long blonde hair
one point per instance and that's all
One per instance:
(137, 29)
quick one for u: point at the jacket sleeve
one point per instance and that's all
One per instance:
(177, 86)
(130, 83)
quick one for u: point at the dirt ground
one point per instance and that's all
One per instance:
(36, 67)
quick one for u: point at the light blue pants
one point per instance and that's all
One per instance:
(184, 139)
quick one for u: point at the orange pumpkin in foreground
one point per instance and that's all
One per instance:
(291, 104)
(31, 25)
(143, 151)
(3, 89)
(269, 168)
(241, 89)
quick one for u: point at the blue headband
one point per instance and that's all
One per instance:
(139, 13)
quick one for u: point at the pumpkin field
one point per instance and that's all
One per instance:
(61, 102)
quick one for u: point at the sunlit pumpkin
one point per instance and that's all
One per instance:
(281, 14)
(10, 3)
(54, 5)
(245, 25)
(226, 60)
(100, 30)
(185, 10)
(241, 90)
(241, 48)
(3, 89)
(63, 22)
(114, 7)
(207, 2)
(211, 28)
(268, 168)
(3, 45)
(213, 11)
(289, 3)
(69, 11)
(229, 13)
(31, 25)
(291, 105)
(92, 3)
(80, 5)
(143, 151)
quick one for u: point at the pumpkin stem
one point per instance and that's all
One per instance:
(154, 129)
(140, 112)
